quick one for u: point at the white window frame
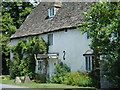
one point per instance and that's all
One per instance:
(88, 62)
(51, 12)
(50, 42)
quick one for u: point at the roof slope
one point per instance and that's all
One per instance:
(37, 23)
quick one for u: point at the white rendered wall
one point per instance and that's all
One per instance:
(74, 44)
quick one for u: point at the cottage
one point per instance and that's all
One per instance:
(56, 23)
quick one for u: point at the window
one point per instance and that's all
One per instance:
(88, 62)
(50, 39)
(41, 66)
(51, 12)
(88, 36)
(65, 29)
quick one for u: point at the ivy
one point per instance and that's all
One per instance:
(23, 62)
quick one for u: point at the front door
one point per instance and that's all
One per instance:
(40, 67)
(52, 66)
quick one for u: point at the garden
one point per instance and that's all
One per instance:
(8, 81)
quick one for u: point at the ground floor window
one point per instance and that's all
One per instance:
(88, 62)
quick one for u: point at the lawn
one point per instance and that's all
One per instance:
(42, 85)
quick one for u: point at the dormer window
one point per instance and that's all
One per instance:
(51, 12)
(53, 9)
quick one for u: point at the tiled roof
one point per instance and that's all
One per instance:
(68, 15)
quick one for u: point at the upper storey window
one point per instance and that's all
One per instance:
(53, 9)
(50, 39)
(51, 12)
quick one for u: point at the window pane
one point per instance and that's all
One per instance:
(86, 59)
(51, 12)
(89, 63)
(39, 65)
(88, 35)
(50, 39)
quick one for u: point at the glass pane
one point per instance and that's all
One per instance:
(89, 63)
(86, 59)
(39, 65)
(50, 39)
(52, 12)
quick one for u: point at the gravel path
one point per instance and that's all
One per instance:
(10, 86)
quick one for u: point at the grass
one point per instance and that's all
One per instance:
(41, 85)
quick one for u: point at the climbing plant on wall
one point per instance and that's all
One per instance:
(23, 61)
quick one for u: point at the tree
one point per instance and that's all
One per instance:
(102, 22)
(17, 10)
(13, 14)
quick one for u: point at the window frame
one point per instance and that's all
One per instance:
(50, 38)
(89, 62)
(51, 12)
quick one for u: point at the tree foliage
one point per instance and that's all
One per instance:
(18, 11)
(23, 62)
(102, 22)
(13, 14)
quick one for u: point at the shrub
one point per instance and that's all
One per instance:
(77, 78)
(60, 71)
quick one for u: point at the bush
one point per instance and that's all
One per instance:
(60, 71)
(77, 78)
